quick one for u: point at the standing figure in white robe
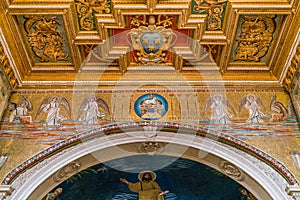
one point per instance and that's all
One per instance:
(92, 111)
(53, 116)
(255, 115)
(220, 114)
(219, 106)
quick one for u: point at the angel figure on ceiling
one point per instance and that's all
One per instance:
(90, 106)
(219, 104)
(20, 111)
(253, 104)
(51, 105)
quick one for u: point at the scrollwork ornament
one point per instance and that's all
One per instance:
(45, 38)
(255, 37)
(87, 9)
(215, 11)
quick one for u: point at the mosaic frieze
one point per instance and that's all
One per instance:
(46, 38)
(215, 11)
(62, 118)
(255, 37)
(232, 112)
(86, 11)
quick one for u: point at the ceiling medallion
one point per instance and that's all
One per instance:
(151, 106)
(151, 42)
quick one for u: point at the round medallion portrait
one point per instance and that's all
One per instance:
(151, 106)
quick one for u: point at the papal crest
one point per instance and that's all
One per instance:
(151, 42)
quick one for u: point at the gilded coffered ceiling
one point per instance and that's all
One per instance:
(66, 42)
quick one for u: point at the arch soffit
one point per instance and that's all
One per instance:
(259, 173)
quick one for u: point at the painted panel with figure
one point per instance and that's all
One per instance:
(150, 178)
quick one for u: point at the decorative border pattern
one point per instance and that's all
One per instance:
(36, 91)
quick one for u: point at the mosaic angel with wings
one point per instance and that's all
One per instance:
(253, 104)
(90, 106)
(219, 104)
(51, 106)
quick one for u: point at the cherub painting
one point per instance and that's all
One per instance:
(90, 106)
(219, 105)
(51, 106)
(20, 111)
(253, 104)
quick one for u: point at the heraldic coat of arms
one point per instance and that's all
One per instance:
(151, 42)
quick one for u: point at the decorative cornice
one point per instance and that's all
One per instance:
(294, 191)
(292, 69)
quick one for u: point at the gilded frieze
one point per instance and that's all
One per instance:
(46, 38)
(86, 11)
(215, 11)
(255, 37)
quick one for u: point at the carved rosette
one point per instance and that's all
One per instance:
(255, 37)
(67, 171)
(215, 11)
(86, 11)
(231, 170)
(45, 38)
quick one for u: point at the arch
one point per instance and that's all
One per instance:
(266, 180)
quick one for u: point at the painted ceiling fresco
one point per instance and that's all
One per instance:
(184, 179)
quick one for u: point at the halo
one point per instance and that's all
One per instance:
(217, 95)
(91, 97)
(57, 98)
(141, 174)
(252, 96)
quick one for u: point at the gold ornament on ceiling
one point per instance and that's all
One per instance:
(151, 41)
(292, 70)
(45, 38)
(86, 10)
(162, 20)
(255, 38)
(214, 9)
(7, 69)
